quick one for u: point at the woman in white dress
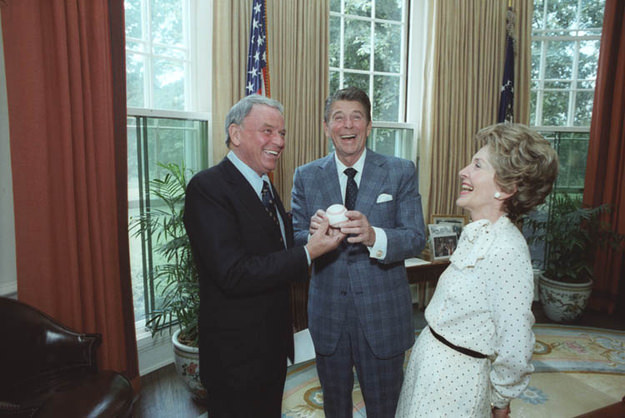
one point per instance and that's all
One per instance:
(474, 356)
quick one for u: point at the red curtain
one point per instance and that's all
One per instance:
(605, 170)
(65, 77)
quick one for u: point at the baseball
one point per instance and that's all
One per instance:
(336, 214)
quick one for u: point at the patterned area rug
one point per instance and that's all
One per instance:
(578, 369)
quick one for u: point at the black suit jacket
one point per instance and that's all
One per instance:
(245, 273)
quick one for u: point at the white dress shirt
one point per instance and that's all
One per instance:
(256, 182)
(378, 250)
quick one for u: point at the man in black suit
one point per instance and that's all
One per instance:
(246, 261)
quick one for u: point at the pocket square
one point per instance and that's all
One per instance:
(384, 198)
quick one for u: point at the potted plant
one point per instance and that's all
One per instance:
(571, 234)
(175, 273)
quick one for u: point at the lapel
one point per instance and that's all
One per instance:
(371, 182)
(286, 217)
(328, 182)
(249, 203)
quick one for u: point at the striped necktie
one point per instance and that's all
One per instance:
(269, 204)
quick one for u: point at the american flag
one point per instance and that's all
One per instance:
(257, 80)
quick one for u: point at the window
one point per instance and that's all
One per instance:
(157, 54)
(153, 140)
(565, 52)
(368, 44)
(168, 88)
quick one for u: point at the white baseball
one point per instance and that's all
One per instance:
(336, 214)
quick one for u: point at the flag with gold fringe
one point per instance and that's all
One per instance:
(257, 80)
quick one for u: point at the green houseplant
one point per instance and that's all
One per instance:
(175, 272)
(571, 234)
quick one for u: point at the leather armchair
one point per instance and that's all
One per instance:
(49, 370)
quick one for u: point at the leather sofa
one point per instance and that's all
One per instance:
(49, 370)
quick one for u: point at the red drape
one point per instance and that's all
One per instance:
(605, 170)
(66, 95)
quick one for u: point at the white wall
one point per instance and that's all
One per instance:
(8, 271)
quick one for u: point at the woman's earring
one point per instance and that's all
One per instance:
(497, 195)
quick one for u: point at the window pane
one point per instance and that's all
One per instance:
(583, 108)
(334, 53)
(385, 94)
(533, 101)
(555, 108)
(135, 80)
(588, 59)
(335, 6)
(397, 141)
(357, 44)
(387, 47)
(160, 140)
(356, 80)
(173, 53)
(358, 7)
(388, 9)
(586, 84)
(167, 25)
(572, 152)
(536, 50)
(168, 84)
(591, 15)
(334, 81)
(136, 46)
(561, 14)
(538, 15)
(559, 60)
(132, 16)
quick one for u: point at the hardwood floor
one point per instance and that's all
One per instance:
(163, 394)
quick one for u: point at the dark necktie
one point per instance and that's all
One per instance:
(269, 204)
(351, 191)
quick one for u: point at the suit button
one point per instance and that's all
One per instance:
(343, 293)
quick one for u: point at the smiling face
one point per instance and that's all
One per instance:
(259, 140)
(478, 188)
(348, 126)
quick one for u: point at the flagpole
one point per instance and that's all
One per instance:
(266, 69)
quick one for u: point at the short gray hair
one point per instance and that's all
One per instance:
(243, 107)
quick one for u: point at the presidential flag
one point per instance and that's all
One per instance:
(257, 80)
(506, 100)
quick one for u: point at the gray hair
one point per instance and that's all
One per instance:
(243, 107)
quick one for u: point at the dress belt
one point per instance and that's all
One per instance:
(462, 350)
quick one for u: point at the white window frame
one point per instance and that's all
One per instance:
(575, 36)
(156, 352)
(402, 74)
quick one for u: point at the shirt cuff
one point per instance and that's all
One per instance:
(378, 250)
(307, 255)
(498, 401)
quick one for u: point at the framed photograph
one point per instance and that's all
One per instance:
(443, 246)
(439, 229)
(456, 221)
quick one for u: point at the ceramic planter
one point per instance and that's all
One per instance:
(188, 367)
(564, 302)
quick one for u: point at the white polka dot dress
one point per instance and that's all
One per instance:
(482, 302)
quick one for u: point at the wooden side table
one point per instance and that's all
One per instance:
(424, 274)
